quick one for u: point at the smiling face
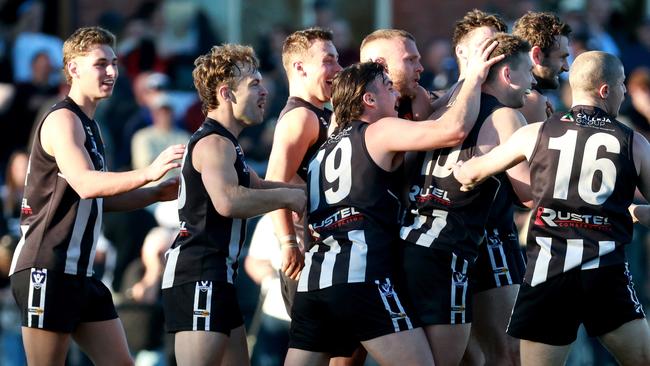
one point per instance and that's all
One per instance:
(95, 72)
(521, 81)
(319, 66)
(249, 97)
(547, 73)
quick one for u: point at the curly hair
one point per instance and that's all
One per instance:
(540, 29)
(297, 43)
(348, 88)
(509, 45)
(222, 65)
(81, 42)
(475, 19)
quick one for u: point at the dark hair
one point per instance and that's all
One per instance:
(348, 89)
(510, 46)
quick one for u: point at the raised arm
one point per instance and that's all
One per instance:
(214, 156)
(448, 130)
(63, 137)
(518, 148)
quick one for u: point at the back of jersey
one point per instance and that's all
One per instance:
(352, 213)
(583, 180)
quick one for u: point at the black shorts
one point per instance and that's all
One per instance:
(602, 299)
(202, 305)
(334, 320)
(499, 262)
(59, 302)
(437, 284)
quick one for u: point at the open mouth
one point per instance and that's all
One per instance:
(261, 104)
(528, 91)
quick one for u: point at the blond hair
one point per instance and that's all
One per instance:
(81, 42)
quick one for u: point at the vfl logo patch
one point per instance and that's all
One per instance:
(459, 278)
(204, 286)
(386, 289)
(24, 208)
(183, 233)
(38, 279)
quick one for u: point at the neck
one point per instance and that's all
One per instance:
(87, 104)
(223, 114)
(589, 101)
(494, 90)
(297, 89)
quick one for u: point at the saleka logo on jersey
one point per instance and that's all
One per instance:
(592, 121)
(339, 218)
(429, 194)
(183, 233)
(552, 218)
(38, 279)
(240, 153)
(24, 208)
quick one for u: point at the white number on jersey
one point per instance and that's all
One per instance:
(338, 175)
(566, 144)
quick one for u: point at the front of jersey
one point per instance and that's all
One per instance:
(352, 214)
(324, 116)
(59, 229)
(208, 245)
(440, 215)
(583, 180)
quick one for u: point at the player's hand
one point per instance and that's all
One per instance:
(479, 63)
(167, 190)
(167, 160)
(466, 184)
(292, 261)
(421, 104)
(296, 200)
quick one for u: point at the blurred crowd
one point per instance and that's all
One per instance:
(154, 105)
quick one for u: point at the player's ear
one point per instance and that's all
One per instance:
(537, 55)
(603, 91)
(72, 69)
(226, 94)
(504, 73)
(297, 66)
(368, 99)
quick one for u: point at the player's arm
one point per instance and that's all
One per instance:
(451, 128)
(166, 190)
(640, 214)
(63, 137)
(517, 149)
(294, 134)
(641, 156)
(214, 157)
(506, 121)
(536, 108)
(259, 183)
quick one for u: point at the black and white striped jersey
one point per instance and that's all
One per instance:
(324, 117)
(208, 245)
(583, 179)
(352, 214)
(59, 229)
(440, 215)
(501, 216)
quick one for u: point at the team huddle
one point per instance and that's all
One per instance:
(394, 211)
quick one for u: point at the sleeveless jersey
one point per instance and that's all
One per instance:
(583, 180)
(440, 215)
(208, 245)
(353, 214)
(59, 229)
(324, 117)
(501, 216)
